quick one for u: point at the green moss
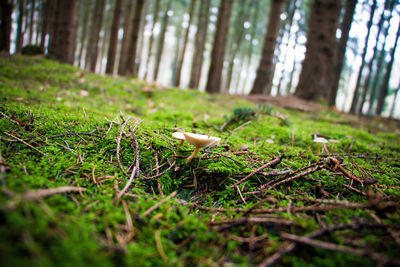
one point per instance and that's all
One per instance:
(88, 229)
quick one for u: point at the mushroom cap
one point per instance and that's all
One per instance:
(201, 140)
(320, 140)
(178, 135)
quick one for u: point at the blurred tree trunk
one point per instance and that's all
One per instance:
(186, 38)
(6, 21)
(125, 40)
(291, 13)
(64, 31)
(161, 39)
(200, 42)
(371, 62)
(236, 42)
(39, 21)
(178, 38)
(358, 83)
(112, 48)
(150, 48)
(106, 29)
(250, 48)
(133, 42)
(317, 71)
(291, 77)
(385, 85)
(47, 8)
(94, 35)
(396, 92)
(20, 38)
(141, 37)
(76, 28)
(219, 47)
(379, 68)
(85, 22)
(31, 20)
(341, 49)
(263, 81)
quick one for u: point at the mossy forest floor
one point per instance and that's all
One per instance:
(72, 141)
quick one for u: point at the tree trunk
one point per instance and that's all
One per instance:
(141, 37)
(178, 38)
(291, 13)
(380, 63)
(93, 42)
(263, 81)
(396, 93)
(45, 22)
(371, 62)
(219, 47)
(182, 57)
(31, 21)
(20, 38)
(236, 43)
(63, 31)
(150, 49)
(360, 71)
(85, 23)
(161, 41)
(5, 26)
(39, 21)
(291, 77)
(385, 85)
(341, 49)
(112, 48)
(130, 63)
(250, 49)
(104, 40)
(78, 12)
(125, 40)
(200, 42)
(317, 72)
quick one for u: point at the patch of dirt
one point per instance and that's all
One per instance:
(289, 102)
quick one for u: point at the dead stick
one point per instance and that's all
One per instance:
(284, 209)
(41, 193)
(343, 170)
(156, 206)
(349, 250)
(29, 145)
(288, 175)
(300, 175)
(289, 246)
(271, 163)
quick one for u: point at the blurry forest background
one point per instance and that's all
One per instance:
(343, 52)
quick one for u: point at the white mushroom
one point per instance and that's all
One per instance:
(198, 140)
(321, 140)
(180, 136)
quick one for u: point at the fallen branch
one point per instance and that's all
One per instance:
(289, 246)
(378, 257)
(300, 175)
(271, 163)
(42, 193)
(156, 206)
(25, 143)
(284, 209)
(334, 164)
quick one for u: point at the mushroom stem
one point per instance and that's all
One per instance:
(180, 144)
(196, 150)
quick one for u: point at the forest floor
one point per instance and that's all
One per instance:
(91, 176)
